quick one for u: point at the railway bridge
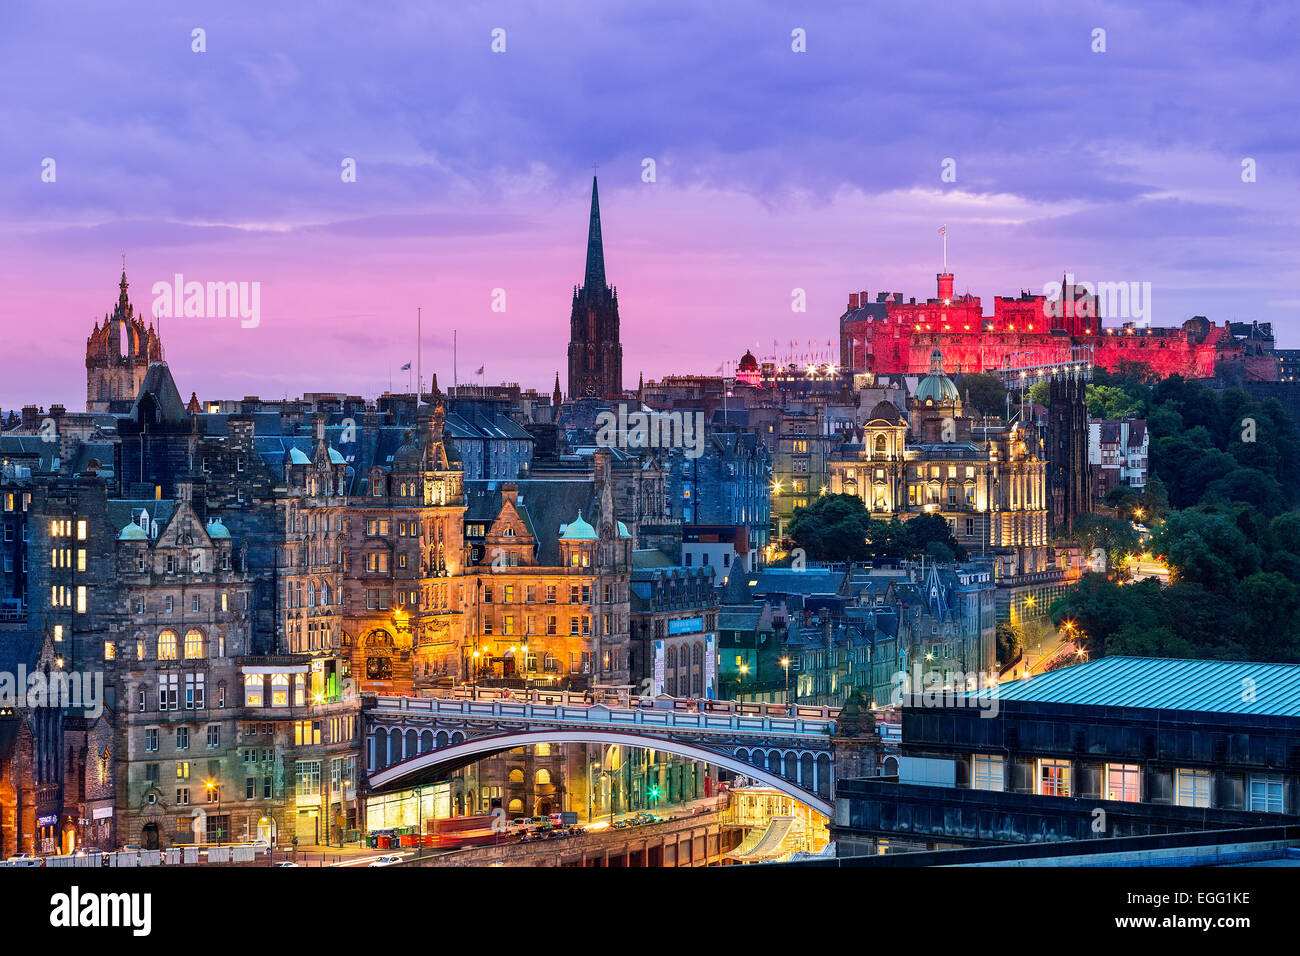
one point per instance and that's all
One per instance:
(413, 740)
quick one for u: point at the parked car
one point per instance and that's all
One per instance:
(386, 861)
(25, 859)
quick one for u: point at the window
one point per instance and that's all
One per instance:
(182, 796)
(169, 692)
(1266, 793)
(306, 732)
(214, 735)
(987, 772)
(308, 778)
(253, 690)
(279, 690)
(1192, 788)
(193, 643)
(167, 646)
(1054, 778)
(183, 739)
(1123, 782)
(194, 691)
(151, 739)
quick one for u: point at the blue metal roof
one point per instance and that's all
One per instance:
(1223, 687)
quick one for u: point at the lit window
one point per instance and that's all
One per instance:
(1193, 788)
(1054, 778)
(1123, 782)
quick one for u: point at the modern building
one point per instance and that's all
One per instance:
(1115, 747)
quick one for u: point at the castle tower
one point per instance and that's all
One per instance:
(595, 355)
(118, 354)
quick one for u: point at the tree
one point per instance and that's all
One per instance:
(1115, 536)
(833, 528)
(1206, 549)
(924, 529)
(1040, 393)
(1108, 401)
(1009, 642)
(985, 392)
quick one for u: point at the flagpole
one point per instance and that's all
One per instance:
(454, 382)
(419, 338)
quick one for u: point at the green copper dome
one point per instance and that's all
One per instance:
(580, 530)
(937, 387)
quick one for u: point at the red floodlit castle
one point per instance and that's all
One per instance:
(893, 335)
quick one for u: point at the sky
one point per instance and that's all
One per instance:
(775, 170)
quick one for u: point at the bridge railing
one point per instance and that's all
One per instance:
(623, 700)
(807, 721)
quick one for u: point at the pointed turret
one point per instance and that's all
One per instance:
(594, 281)
(556, 397)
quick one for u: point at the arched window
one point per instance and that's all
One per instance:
(543, 777)
(516, 776)
(516, 805)
(167, 646)
(880, 444)
(193, 644)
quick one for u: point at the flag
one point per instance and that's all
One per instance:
(406, 367)
(943, 230)
(480, 370)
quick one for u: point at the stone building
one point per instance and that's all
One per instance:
(988, 480)
(674, 627)
(404, 595)
(215, 743)
(551, 599)
(118, 355)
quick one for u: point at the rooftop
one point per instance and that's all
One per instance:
(1221, 687)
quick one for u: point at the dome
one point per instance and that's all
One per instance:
(622, 531)
(748, 363)
(937, 387)
(336, 458)
(132, 532)
(579, 530)
(216, 529)
(296, 457)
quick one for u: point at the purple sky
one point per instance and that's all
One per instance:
(776, 170)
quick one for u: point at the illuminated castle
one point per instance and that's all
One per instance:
(893, 335)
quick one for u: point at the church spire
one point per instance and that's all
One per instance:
(595, 275)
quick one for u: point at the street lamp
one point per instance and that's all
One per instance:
(269, 820)
(474, 677)
(740, 683)
(785, 663)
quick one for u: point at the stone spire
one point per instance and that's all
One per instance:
(556, 397)
(594, 281)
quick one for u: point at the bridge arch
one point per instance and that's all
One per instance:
(465, 751)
